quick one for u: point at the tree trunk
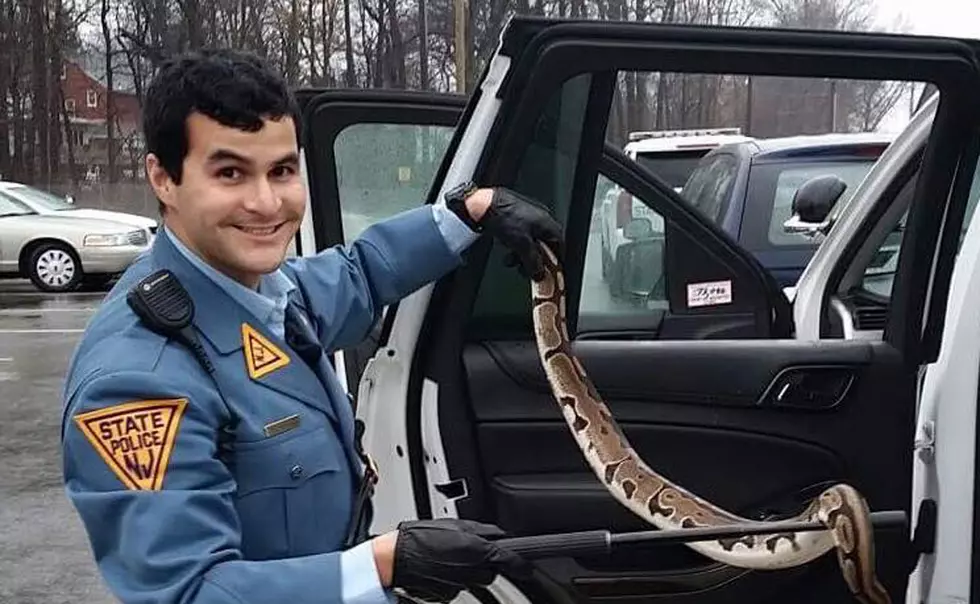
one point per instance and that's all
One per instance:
(423, 46)
(69, 139)
(39, 102)
(381, 51)
(662, 90)
(349, 48)
(22, 157)
(368, 59)
(192, 22)
(292, 44)
(6, 50)
(110, 105)
(469, 20)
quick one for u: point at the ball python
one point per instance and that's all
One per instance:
(667, 505)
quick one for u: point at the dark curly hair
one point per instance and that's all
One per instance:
(235, 88)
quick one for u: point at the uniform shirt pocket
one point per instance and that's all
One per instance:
(293, 494)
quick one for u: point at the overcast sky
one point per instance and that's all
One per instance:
(953, 18)
(957, 18)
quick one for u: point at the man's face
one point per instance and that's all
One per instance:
(240, 200)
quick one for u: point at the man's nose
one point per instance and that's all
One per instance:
(265, 200)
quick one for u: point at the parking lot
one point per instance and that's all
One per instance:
(44, 555)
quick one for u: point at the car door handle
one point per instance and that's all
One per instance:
(811, 387)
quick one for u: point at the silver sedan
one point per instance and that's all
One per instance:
(58, 246)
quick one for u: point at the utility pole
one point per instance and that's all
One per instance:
(460, 38)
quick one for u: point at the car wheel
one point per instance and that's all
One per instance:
(54, 267)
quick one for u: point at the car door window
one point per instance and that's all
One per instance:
(879, 274)
(623, 277)
(371, 154)
(384, 169)
(624, 260)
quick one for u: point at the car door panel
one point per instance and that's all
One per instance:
(675, 372)
(703, 415)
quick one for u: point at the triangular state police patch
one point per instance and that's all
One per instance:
(135, 439)
(262, 357)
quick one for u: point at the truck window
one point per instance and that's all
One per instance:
(673, 167)
(710, 186)
(781, 181)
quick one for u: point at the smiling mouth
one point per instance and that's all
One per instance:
(260, 231)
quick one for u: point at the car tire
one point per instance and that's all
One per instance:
(54, 267)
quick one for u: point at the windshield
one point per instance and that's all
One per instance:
(38, 199)
(11, 207)
(673, 167)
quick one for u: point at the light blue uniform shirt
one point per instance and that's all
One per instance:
(359, 576)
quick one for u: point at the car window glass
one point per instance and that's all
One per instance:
(10, 206)
(624, 263)
(546, 175)
(789, 177)
(879, 275)
(384, 169)
(710, 186)
(41, 199)
(673, 167)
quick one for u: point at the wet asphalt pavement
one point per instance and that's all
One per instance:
(44, 553)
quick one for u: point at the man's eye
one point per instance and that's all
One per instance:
(228, 172)
(282, 171)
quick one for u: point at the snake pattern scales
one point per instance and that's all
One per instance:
(666, 505)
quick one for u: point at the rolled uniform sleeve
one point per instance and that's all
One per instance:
(143, 469)
(458, 236)
(346, 288)
(359, 577)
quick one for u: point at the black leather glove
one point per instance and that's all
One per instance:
(436, 559)
(520, 223)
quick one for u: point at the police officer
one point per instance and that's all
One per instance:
(238, 485)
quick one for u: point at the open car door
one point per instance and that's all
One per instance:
(369, 154)
(460, 415)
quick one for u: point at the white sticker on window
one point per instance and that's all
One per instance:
(711, 293)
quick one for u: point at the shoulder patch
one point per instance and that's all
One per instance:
(135, 439)
(262, 357)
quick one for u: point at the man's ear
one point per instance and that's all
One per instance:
(158, 178)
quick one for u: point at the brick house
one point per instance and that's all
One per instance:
(85, 103)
